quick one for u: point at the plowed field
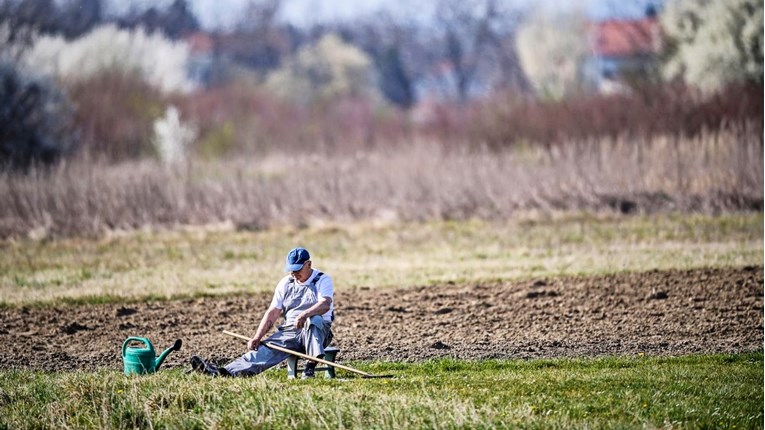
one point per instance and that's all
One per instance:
(654, 313)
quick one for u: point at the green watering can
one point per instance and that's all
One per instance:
(143, 360)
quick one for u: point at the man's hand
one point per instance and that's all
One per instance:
(253, 343)
(271, 315)
(318, 309)
(300, 320)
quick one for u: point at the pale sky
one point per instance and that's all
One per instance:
(307, 12)
(216, 13)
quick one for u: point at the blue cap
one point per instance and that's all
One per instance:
(296, 258)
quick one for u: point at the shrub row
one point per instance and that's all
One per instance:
(651, 111)
(114, 114)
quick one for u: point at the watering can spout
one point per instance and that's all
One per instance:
(176, 346)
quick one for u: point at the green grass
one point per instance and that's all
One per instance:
(717, 391)
(203, 262)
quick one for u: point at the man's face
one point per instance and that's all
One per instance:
(304, 273)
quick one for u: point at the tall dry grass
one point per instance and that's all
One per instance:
(712, 172)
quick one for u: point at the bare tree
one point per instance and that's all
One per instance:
(473, 39)
(78, 17)
(395, 48)
(20, 22)
(175, 21)
(259, 15)
(258, 40)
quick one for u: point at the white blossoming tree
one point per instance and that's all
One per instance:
(160, 61)
(553, 50)
(714, 42)
(327, 70)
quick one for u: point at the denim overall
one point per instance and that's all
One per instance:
(315, 335)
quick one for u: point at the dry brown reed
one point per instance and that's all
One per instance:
(712, 172)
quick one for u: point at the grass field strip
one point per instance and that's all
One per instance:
(188, 263)
(716, 391)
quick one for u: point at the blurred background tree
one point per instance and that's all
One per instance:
(396, 51)
(259, 41)
(34, 119)
(553, 48)
(78, 17)
(473, 40)
(713, 43)
(119, 80)
(21, 22)
(154, 58)
(175, 21)
(329, 70)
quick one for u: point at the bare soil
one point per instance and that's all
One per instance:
(654, 313)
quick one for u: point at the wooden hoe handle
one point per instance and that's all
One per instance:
(307, 357)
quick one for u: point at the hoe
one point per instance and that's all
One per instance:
(308, 357)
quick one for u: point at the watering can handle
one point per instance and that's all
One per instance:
(139, 339)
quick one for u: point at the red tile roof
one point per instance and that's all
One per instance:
(621, 38)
